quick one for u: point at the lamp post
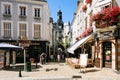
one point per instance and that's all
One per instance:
(24, 44)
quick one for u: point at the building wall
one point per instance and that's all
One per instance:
(66, 33)
(29, 20)
(81, 21)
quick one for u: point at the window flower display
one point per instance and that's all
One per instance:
(89, 30)
(85, 33)
(107, 17)
(88, 1)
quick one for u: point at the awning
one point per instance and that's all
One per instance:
(9, 46)
(79, 43)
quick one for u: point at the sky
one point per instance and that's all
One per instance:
(68, 7)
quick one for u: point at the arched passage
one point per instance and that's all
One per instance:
(107, 53)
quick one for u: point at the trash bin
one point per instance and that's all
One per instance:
(28, 66)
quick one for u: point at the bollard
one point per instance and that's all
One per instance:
(20, 75)
(36, 65)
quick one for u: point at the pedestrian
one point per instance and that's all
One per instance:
(58, 57)
(52, 57)
(43, 58)
(40, 59)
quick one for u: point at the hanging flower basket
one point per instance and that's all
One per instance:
(88, 1)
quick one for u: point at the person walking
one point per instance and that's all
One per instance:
(43, 58)
(58, 57)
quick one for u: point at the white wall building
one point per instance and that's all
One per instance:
(26, 20)
(66, 33)
(104, 37)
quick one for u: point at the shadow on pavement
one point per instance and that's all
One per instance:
(92, 70)
(18, 67)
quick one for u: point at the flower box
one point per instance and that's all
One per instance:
(88, 1)
(106, 17)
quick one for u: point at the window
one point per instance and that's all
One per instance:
(7, 29)
(7, 9)
(86, 23)
(101, 0)
(106, 6)
(36, 31)
(37, 12)
(22, 30)
(22, 11)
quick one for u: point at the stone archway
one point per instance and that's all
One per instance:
(101, 53)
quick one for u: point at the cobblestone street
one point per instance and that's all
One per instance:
(59, 71)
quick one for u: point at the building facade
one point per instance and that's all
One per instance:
(95, 30)
(58, 29)
(26, 23)
(66, 35)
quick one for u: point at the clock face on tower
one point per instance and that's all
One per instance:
(60, 27)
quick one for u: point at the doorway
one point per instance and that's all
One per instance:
(107, 54)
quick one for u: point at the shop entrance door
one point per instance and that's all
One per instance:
(107, 54)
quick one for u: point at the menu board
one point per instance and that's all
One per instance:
(83, 60)
(1, 60)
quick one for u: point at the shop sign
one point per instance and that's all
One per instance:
(35, 43)
(108, 35)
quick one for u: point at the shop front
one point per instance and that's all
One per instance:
(33, 50)
(106, 48)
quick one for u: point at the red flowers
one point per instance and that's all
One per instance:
(88, 1)
(85, 33)
(96, 16)
(106, 17)
(84, 8)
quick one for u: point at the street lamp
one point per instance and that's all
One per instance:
(24, 44)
